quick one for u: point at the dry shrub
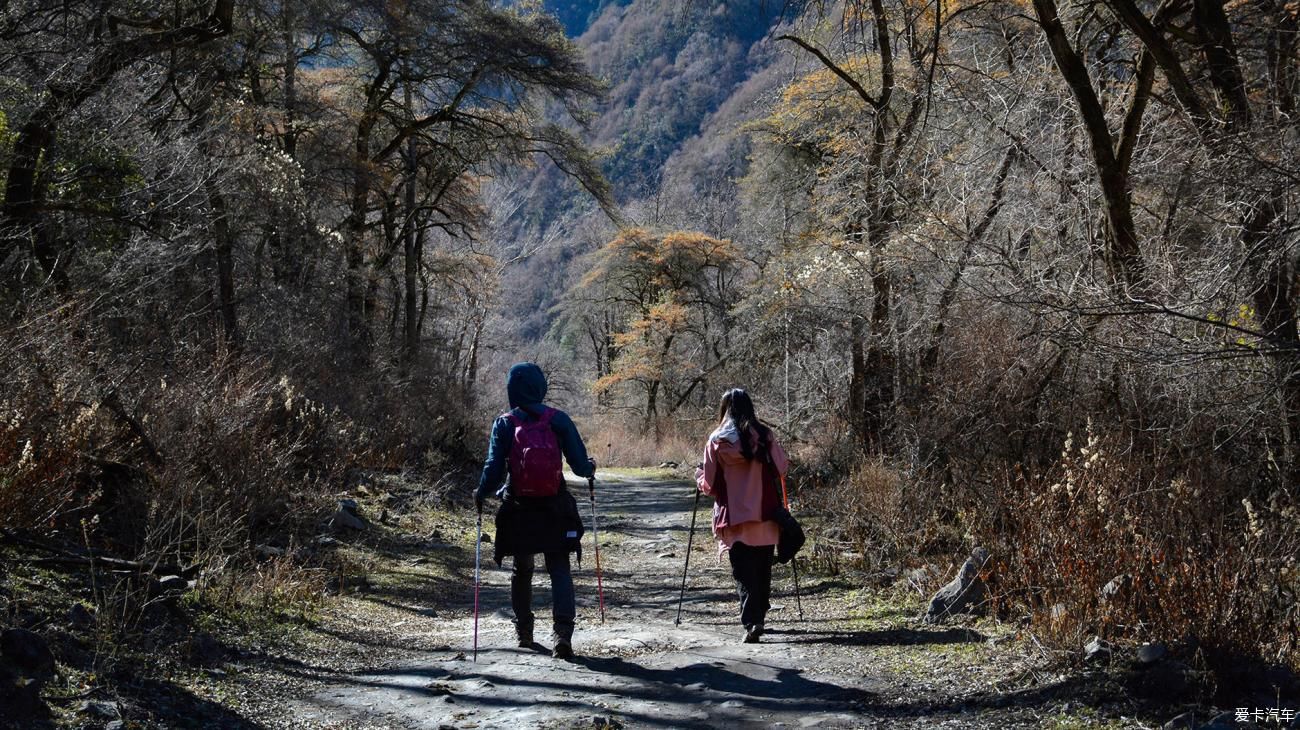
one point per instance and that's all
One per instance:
(248, 456)
(185, 460)
(887, 514)
(1189, 559)
(40, 454)
(47, 425)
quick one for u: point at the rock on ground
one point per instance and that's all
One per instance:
(965, 594)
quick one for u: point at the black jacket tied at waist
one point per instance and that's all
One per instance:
(531, 525)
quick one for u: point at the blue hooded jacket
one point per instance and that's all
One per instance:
(526, 388)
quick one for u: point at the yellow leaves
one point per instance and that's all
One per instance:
(691, 249)
(645, 346)
(1245, 316)
(631, 373)
(666, 316)
(821, 88)
(657, 285)
(653, 263)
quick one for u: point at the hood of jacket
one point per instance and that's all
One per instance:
(727, 437)
(726, 432)
(526, 385)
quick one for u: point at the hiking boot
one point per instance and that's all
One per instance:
(524, 632)
(563, 650)
(752, 633)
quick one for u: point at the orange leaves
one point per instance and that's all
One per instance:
(660, 290)
(646, 265)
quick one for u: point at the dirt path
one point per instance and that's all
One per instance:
(852, 661)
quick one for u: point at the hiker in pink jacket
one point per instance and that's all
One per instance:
(745, 498)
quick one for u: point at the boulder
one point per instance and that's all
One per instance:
(1166, 681)
(267, 552)
(99, 710)
(81, 617)
(206, 650)
(28, 653)
(173, 584)
(21, 704)
(966, 593)
(1116, 588)
(346, 520)
(1149, 654)
(1098, 651)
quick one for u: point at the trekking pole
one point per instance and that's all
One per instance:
(794, 561)
(595, 534)
(690, 537)
(794, 565)
(478, 559)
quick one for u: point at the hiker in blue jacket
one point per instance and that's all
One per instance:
(538, 514)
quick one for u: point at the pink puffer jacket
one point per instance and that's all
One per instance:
(738, 508)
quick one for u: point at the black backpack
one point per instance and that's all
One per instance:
(792, 538)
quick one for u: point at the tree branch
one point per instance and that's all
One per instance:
(835, 69)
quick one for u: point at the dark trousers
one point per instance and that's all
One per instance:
(752, 569)
(564, 608)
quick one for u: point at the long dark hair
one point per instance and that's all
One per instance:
(737, 405)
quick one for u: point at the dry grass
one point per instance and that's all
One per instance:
(614, 442)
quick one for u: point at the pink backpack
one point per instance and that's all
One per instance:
(536, 466)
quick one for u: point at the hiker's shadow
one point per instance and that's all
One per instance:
(696, 682)
(904, 636)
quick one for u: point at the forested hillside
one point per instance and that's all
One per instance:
(1019, 274)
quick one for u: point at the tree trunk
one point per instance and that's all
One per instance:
(1281, 59)
(1123, 258)
(1275, 309)
(857, 380)
(879, 358)
(358, 327)
(471, 370)
(290, 79)
(223, 245)
(411, 334)
(931, 356)
(286, 230)
(1220, 53)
